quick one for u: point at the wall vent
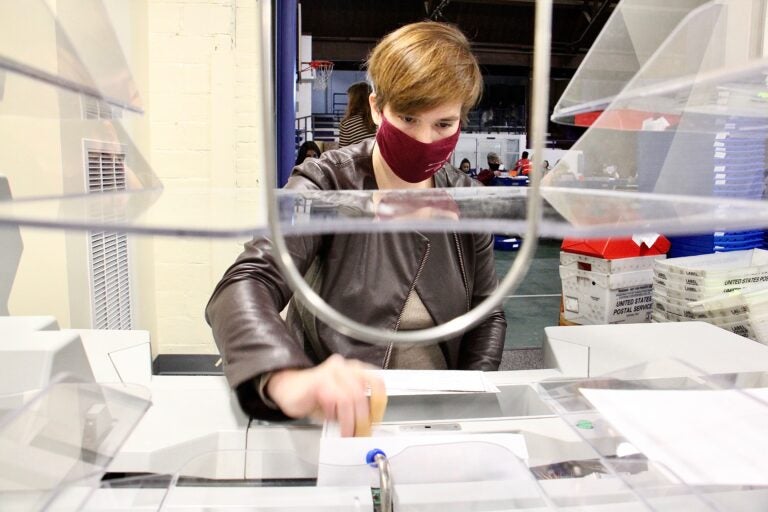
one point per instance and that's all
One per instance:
(109, 269)
(99, 109)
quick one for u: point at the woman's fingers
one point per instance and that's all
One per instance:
(371, 409)
(378, 399)
(351, 382)
(337, 390)
(345, 415)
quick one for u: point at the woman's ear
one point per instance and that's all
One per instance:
(375, 112)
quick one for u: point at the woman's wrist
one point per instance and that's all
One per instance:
(261, 388)
(273, 388)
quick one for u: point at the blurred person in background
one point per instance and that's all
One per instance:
(357, 124)
(308, 150)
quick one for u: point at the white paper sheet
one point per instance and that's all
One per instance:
(423, 458)
(420, 382)
(704, 437)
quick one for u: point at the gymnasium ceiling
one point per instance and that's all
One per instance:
(501, 30)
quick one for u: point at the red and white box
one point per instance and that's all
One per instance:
(609, 281)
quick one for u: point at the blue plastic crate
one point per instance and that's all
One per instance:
(716, 242)
(506, 242)
(517, 181)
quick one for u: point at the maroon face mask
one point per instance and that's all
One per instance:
(409, 159)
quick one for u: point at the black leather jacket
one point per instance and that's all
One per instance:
(365, 276)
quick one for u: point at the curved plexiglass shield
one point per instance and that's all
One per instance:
(689, 123)
(223, 213)
(466, 475)
(69, 44)
(678, 149)
(680, 115)
(57, 445)
(655, 427)
(629, 39)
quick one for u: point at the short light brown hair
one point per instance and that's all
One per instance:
(423, 65)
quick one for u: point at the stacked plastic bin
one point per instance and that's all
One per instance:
(738, 172)
(503, 242)
(506, 242)
(727, 289)
(717, 242)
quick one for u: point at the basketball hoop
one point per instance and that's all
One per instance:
(322, 70)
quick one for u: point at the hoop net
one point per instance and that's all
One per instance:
(323, 70)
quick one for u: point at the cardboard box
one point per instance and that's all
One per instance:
(604, 266)
(592, 298)
(565, 323)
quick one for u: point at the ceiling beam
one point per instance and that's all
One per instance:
(437, 11)
(576, 3)
(356, 50)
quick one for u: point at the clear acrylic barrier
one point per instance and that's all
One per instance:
(429, 477)
(477, 476)
(55, 448)
(708, 65)
(52, 45)
(631, 37)
(690, 122)
(627, 174)
(222, 213)
(258, 480)
(129, 494)
(651, 476)
(628, 165)
(62, 144)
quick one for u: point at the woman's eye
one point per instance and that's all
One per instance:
(445, 125)
(408, 119)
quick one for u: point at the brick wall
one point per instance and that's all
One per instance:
(203, 104)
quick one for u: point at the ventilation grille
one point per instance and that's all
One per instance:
(106, 171)
(99, 109)
(110, 277)
(111, 284)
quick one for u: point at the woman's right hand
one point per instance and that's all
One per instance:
(336, 390)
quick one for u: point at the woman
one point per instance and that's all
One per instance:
(308, 150)
(302, 367)
(357, 124)
(465, 166)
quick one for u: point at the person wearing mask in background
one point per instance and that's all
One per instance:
(426, 80)
(494, 164)
(357, 124)
(307, 150)
(486, 176)
(466, 167)
(522, 166)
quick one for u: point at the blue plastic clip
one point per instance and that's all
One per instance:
(370, 457)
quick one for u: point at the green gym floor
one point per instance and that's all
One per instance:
(534, 305)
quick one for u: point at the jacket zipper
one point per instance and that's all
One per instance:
(463, 271)
(388, 353)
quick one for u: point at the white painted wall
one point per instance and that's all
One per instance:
(195, 65)
(31, 159)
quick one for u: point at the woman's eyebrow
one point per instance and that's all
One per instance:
(451, 118)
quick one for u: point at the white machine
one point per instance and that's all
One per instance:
(109, 436)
